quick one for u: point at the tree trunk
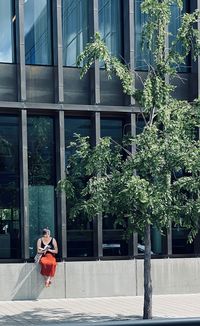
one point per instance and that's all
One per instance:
(147, 311)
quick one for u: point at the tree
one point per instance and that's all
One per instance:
(159, 184)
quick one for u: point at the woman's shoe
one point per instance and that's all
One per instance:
(47, 284)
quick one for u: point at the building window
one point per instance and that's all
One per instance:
(180, 244)
(9, 188)
(37, 30)
(158, 242)
(75, 16)
(41, 174)
(174, 25)
(144, 57)
(114, 243)
(110, 25)
(79, 230)
(7, 28)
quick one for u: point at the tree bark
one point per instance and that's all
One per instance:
(147, 310)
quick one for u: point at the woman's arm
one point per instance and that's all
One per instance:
(55, 250)
(39, 249)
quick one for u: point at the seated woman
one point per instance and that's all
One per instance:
(48, 247)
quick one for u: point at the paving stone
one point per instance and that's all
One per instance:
(90, 310)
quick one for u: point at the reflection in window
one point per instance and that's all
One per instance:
(114, 243)
(7, 27)
(110, 18)
(79, 231)
(37, 30)
(158, 242)
(180, 244)
(112, 128)
(142, 57)
(140, 124)
(174, 25)
(9, 188)
(41, 173)
(80, 126)
(75, 15)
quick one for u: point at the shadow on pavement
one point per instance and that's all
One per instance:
(51, 316)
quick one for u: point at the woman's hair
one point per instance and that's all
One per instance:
(46, 231)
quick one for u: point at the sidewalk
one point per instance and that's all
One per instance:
(91, 310)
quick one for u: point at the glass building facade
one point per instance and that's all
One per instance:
(10, 244)
(41, 176)
(37, 32)
(75, 29)
(110, 25)
(44, 38)
(7, 27)
(143, 58)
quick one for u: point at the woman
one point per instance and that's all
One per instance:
(48, 247)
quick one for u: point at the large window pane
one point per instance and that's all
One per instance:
(112, 128)
(142, 57)
(180, 244)
(158, 242)
(113, 240)
(7, 27)
(9, 188)
(75, 29)
(174, 25)
(37, 29)
(80, 230)
(41, 172)
(110, 18)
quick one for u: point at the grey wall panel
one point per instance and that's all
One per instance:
(40, 84)
(171, 276)
(99, 278)
(111, 90)
(182, 83)
(185, 85)
(76, 90)
(24, 282)
(8, 82)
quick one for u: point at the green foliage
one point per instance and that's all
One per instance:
(97, 50)
(165, 188)
(160, 183)
(40, 165)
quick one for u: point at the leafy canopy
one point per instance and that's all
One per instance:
(160, 183)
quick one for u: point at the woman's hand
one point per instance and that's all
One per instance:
(52, 251)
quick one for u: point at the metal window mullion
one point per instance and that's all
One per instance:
(169, 241)
(78, 32)
(58, 50)
(21, 68)
(133, 249)
(95, 71)
(129, 41)
(198, 24)
(24, 202)
(60, 175)
(97, 221)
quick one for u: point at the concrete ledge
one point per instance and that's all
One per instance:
(99, 279)
(24, 282)
(172, 276)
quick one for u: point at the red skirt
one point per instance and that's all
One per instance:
(48, 265)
